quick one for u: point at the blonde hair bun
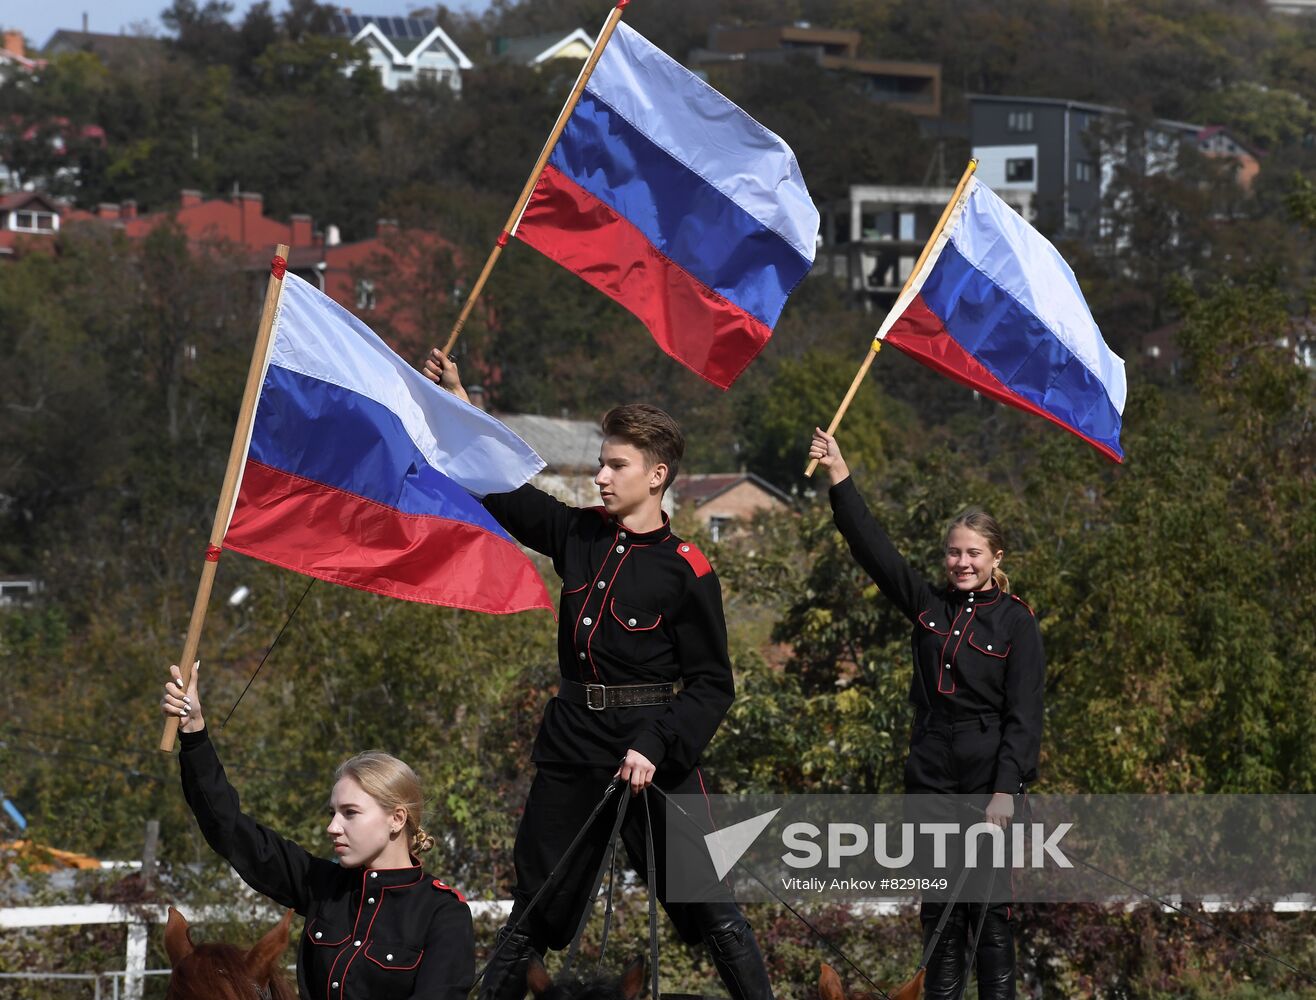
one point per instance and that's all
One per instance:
(393, 784)
(421, 842)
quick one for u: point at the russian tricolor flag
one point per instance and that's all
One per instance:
(996, 307)
(667, 197)
(362, 472)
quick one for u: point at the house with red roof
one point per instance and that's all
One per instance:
(723, 500)
(28, 220)
(14, 57)
(364, 275)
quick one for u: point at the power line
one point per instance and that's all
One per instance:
(155, 754)
(82, 758)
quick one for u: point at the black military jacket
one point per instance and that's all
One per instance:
(974, 652)
(371, 933)
(635, 609)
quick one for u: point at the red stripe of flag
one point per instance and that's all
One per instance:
(346, 539)
(691, 323)
(921, 334)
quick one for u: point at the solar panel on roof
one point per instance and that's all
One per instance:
(392, 27)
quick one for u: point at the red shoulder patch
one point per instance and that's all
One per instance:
(447, 888)
(1025, 604)
(697, 560)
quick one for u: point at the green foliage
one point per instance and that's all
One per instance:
(1171, 590)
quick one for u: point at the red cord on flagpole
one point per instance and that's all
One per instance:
(232, 479)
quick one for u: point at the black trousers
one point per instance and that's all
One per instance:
(560, 800)
(958, 758)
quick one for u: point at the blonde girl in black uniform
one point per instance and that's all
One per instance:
(977, 692)
(378, 927)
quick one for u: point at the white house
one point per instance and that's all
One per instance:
(536, 50)
(405, 50)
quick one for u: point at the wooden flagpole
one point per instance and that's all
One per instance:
(608, 28)
(237, 456)
(877, 344)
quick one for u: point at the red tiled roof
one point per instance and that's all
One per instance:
(21, 199)
(699, 489)
(703, 487)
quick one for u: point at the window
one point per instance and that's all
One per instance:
(1019, 121)
(718, 525)
(1019, 171)
(34, 222)
(16, 591)
(365, 295)
(1084, 171)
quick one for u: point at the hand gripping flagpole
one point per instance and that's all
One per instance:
(237, 458)
(899, 304)
(509, 227)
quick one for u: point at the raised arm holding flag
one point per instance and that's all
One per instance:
(992, 304)
(347, 465)
(669, 199)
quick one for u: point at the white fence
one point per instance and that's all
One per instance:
(129, 984)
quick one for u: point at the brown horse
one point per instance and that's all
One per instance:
(222, 972)
(830, 988)
(628, 986)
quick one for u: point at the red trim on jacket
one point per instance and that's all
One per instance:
(697, 560)
(612, 608)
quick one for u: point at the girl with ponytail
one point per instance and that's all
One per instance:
(977, 696)
(378, 927)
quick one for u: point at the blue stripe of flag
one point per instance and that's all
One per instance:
(687, 219)
(1018, 348)
(339, 438)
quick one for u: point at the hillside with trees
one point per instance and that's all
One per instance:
(1174, 591)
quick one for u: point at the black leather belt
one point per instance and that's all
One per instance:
(957, 720)
(600, 696)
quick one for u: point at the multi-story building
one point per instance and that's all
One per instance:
(871, 240)
(908, 86)
(1052, 150)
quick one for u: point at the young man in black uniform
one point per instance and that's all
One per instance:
(640, 610)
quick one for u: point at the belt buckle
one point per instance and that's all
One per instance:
(590, 691)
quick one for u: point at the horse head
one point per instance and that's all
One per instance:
(627, 986)
(217, 971)
(830, 988)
